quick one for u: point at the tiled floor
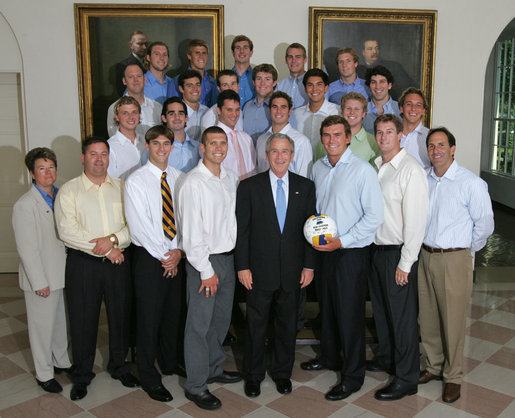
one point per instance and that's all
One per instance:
(488, 390)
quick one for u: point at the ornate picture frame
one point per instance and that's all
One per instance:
(406, 40)
(102, 33)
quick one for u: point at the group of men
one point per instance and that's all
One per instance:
(238, 210)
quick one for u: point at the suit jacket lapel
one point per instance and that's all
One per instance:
(42, 206)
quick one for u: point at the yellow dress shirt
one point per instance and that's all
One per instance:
(84, 211)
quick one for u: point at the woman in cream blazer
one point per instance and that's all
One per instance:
(41, 272)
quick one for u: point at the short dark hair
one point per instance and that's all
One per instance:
(378, 70)
(169, 101)
(295, 45)
(335, 120)
(315, 72)
(157, 43)
(157, 131)
(281, 95)
(225, 73)
(450, 137)
(264, 68)
(240, 38)
(37, 153)
(188, 74)
(211, 130)
(412, 90)
(227, 95)
(388, 117)
(93, 140)
(131, 65)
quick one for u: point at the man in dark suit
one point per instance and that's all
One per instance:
(138, 44)
(273, 260)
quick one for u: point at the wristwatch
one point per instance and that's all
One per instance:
(112, 238)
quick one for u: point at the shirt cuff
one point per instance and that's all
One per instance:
(207, 274)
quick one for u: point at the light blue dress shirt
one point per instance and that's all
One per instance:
(247, 89)
(390, 107)
(294, 88)
(256, 118)
(338, 89)
(349, 193)
(48, 199)
(155, 90)
(460, 210)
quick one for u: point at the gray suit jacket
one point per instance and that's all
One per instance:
(42, 254)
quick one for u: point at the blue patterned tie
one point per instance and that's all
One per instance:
(280, 204)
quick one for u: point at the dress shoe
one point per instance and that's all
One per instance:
(78, 391)
(51, 386)
(426, 376)
(159, 393)
(312, 365)
(376, 366)
(451, 392)
(67, 370)
(339, 392)
(225, 377)
(252, 388)
(205, 400)
(283, 386)
(128, 380)
(395, 391)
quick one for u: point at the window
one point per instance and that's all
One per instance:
(503, 135)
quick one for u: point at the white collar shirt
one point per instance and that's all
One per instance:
(124, 156)
(247, 149)
(415, 144)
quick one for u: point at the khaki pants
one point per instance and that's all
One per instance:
(444, 290)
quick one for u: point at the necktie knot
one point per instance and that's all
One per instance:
(163, 176)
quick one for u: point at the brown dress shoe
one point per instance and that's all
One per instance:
(426, 376)
(451, 392)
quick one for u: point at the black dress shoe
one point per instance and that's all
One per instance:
(225, 377)
(78, 391)
(283, 386)
(204, 400)
(376, 366)
(67, 370)
(128, 380)
(395, 391)
(339, 392)
(312, 365)
(252, 388)
(159, 393)
(51, 386)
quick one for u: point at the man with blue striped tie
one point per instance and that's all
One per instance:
(157, 267)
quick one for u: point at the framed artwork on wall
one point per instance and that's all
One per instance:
(102, 34)
(404, 41)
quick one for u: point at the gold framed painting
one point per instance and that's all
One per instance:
(404, 41)
(102, 33)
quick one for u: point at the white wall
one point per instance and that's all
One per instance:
(45, 32)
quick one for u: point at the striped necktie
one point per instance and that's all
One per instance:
(168, 215)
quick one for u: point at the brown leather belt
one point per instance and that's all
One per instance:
(440, 250)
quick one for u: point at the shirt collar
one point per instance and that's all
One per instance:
(88, 184)
(394, 162)
(274, 178)
(344, 159)
(207, 173)
(449, 174)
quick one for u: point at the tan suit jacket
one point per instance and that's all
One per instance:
(42, 254)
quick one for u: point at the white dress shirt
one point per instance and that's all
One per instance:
(124, 156)
(193, 125)
(207, 216)
(210, 118)
(302, 160)
(247, 148)
(415, 144)
(404, 186)
(144, 208)
(150, 116)
(285, 186)
(308, 123)
(460, 210)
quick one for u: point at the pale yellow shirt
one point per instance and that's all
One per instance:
(84, 210)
